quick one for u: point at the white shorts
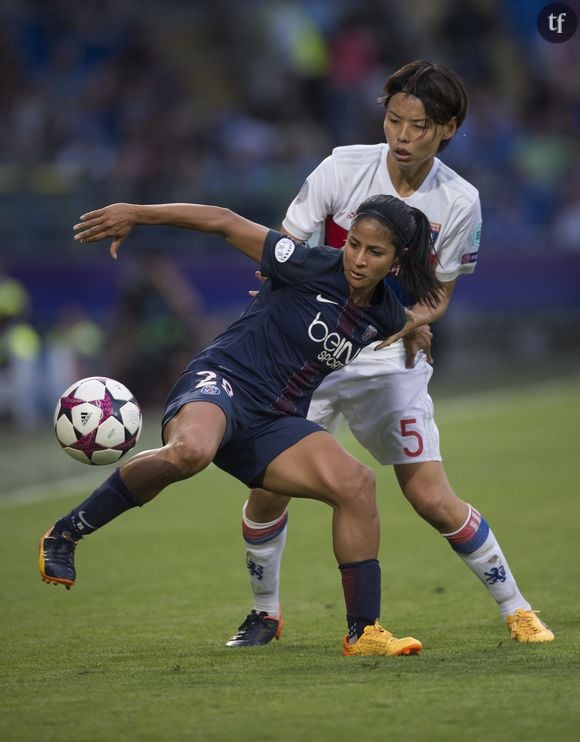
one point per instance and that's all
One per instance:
(387, 406)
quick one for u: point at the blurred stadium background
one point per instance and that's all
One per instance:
(234, 103)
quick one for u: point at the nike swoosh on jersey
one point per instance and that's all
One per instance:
(324, 300)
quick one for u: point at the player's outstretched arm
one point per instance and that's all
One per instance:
(117, 220)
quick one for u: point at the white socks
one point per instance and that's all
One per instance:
(477, 545)
(264, 548)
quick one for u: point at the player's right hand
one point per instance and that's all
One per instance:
(116, 221)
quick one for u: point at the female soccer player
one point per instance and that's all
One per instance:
(242, 402)
(425, 105)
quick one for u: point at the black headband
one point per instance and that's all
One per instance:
(390, 224)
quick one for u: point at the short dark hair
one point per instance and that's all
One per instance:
(437, 86)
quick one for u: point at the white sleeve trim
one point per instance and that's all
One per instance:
(295, 231)
(451, 276)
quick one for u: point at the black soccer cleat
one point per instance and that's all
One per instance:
(257, 629)
(56, 560)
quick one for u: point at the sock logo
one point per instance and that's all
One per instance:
(255, 570)
(497, 574)
(80, 522)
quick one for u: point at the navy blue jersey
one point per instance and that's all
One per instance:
(301, 326)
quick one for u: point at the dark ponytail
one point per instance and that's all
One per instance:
(417, 260)
(411, 235)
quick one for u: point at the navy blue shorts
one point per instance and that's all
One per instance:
(254, 436)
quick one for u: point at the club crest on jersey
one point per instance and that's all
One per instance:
(435, 229)
(210, 389)
(284, 249)
(369, 333)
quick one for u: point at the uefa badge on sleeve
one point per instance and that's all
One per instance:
(284, 249)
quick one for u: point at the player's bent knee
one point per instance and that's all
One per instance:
(188, 457)
(357, 487)
(366, 478)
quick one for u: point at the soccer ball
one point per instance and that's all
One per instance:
(97, 420)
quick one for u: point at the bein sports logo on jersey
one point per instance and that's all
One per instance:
(337, 350)
(284, 249)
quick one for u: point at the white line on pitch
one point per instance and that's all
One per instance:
(455, 409)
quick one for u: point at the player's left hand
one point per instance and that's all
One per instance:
(116, 221)
(419, 339)
(419, 335)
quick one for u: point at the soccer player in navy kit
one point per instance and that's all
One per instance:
(242, 402)
(425, 104)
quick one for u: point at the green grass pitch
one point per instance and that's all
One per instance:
(135, 651)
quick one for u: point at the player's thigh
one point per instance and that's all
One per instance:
(392, 415)
(199, 414)
(318, 467)
(199, 425)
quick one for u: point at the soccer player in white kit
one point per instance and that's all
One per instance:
(384, 395)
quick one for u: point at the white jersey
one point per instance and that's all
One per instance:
(395, 423)
(332, 192)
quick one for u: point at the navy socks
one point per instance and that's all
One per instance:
(107, 502)
(361, 584)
